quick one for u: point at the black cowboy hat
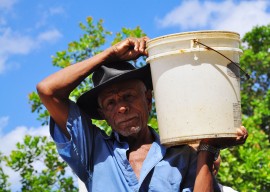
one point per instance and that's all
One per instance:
(106, 75)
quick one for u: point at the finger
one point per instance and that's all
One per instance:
(134, 42)
(146, 39)
(240, 131)
(244, 130)
(241, 139)
(115, 49)
(142, 45)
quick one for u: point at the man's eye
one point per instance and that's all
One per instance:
(128, 96)
(109, 104)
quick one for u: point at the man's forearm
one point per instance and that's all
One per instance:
(61, 83)
(204, 178)
(54, 90)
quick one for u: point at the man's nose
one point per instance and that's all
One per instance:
(123, 109)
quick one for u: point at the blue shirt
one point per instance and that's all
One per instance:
(100, 161)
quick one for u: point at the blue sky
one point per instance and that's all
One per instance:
(32, 31)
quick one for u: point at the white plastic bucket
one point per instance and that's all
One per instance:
(197, 91)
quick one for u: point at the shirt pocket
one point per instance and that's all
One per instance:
(165, 178)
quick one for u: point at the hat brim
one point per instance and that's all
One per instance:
(88, 101)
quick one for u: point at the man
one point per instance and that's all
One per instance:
(132, 158)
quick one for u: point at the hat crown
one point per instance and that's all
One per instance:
(107, 72)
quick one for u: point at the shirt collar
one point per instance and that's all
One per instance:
(157, 142)
(116, 136)
(113, 135)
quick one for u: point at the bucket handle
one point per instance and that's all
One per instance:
(195, 41)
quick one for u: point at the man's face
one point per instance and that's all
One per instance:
(126, 106)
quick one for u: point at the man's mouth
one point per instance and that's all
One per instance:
(127, 121)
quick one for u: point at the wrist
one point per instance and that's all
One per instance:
(209, 149)
(205, 158)
(109, 55)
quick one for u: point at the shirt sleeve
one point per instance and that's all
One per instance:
(77, 151)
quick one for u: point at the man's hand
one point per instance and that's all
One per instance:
(205, 162)
(241, 136)
(129, 49)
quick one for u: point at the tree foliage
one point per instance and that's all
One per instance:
(4, 184)
(245, 168)
(39, 166)
(256, 61)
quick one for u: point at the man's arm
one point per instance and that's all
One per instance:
(204, 176)
(54, 90)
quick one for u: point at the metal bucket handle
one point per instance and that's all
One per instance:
(195, 41)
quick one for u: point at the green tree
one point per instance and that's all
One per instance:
(4, 184)
(39, 166)
(247, 168)
(256, 61)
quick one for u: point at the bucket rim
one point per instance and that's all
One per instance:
(193, 50)
(192, 34)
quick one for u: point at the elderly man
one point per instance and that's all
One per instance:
(131, 158)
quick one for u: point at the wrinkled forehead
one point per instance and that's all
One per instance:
(134, 84)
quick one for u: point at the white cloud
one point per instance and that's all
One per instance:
(3, 60)
(7, 4)
(187, 15)
(45, 15)
(3, 120)
(223, 15)
(8, 143)
(245, 16)
(2, 21)
(15, 43)
(49, 36)
(56, 11)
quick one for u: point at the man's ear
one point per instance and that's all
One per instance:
(100, 112)
(103, 115)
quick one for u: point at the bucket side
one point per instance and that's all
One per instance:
(195, 99)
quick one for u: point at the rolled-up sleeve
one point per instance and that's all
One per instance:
(77, 151)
